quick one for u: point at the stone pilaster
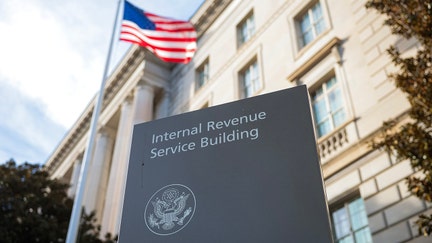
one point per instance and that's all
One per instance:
(117, 178)
(74, 178)
(97, 178)
(143, 103)
(138, 110)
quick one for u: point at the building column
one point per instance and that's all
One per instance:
(97, 178)
(118, 172)
(138, 110)
(74, 178)
(143, 103)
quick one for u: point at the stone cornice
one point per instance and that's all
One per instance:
(319, 55)
(207, 14)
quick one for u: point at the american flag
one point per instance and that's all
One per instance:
(169, 39)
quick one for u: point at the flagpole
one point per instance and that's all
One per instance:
(76, 210)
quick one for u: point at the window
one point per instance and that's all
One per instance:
(202, 75)
(328, 106)
(246, 29)
(350, 224)
(311, 24)
(250, 80)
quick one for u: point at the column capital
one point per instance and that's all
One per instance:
(107, 131)
(143, 102)
(128, 99)
(144, 85)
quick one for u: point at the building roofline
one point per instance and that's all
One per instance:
(207, 13)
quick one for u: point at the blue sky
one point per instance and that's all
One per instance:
(52, 55)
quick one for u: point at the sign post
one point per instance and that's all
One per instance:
(245, 171)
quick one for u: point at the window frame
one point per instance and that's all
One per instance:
(345, 204)
(308, 10)
(330, 113)
(257, 83)
(202, 74)
(248, 23)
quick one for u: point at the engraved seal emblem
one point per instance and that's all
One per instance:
(170, 209)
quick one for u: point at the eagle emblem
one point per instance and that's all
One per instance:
(170, 209)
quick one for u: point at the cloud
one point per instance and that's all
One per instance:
(44, 60)
(50, 68)
(55, 51)
(26, 133)
(52, 55)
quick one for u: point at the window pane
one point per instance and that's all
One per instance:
(350, 222)
(339, 118)
(205, 72)
(248, 91)
(246, 29)
(251, 25)
(341, 223)
(250, 79)
(320, 110)
(318, 19)
(202, 75)
(200, 79)
(320, 26)
(247, 78)
(331, 82)
(305, 24)
(254, 70)
(335, 99)
(255, 77)
(317, 11)
(256, 84)
(244, 33)
(306, 29)
(363, 236)
(328, 106)
(324, 128)
(348, 239)
(317, 93)
(307, 37)
(358, 214)
(311, 24)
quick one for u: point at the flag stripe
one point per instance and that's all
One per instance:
(166, 54)
(169, 39)
(158, 19)
(161, 35)
(180, 57)
(156, 42)
(171, 25)
(175, 51)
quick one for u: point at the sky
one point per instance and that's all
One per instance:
(52, 58)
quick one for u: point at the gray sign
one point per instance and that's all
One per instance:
(245, 171)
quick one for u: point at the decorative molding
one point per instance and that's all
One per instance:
(310, 63)
(354, 149)
(208, 12)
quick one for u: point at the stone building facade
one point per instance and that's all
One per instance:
(252, 47)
